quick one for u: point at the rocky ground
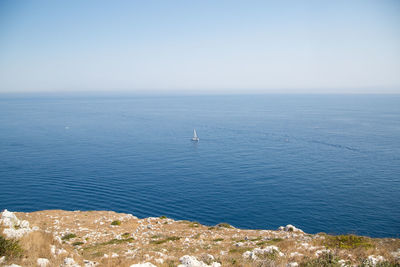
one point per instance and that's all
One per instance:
(106, 238)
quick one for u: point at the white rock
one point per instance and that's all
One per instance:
(290, 228)
(159, 261)
(373, 260)
(292, 264)
(146, 264)
(55, 251)
(16, 228)
(260, 251)
(69, 262)
(114, 255)
(42, 262)
(16, 233)
(396, 254)
(9, 219)
(321, 251)
(295, 254)
(190, 261)
(13, 265)
(2, 259)
(24, 224)
(90, 263)
(210, 257)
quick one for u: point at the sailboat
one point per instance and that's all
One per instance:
(195, 137)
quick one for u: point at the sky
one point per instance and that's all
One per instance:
(208, 46)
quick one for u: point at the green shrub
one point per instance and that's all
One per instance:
(117, 241)
(117, 222)
(347, 242)
(366, 263)
(225, 225)
(10, 248)
(218, 239)
(77, 243)
(163, 217)
(270, 242)
(325, 260)
(240, 250)
(125, 235)
(161, 241)
(68, 236)
(194, 224)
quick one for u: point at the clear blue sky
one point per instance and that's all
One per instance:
(200, 46)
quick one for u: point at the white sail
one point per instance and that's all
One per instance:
(195, 137)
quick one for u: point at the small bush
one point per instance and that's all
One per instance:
(194, 224)
(270, 242)
(225, 225)
(325, 260)
(117, 241)
(271, 256)
(77, 243)
(161, 241)
(117, 222)
(163, 217)
(218, 239)
(10, 248)
(366, 263)
(68, 236)
(240, 250)
(125, 235)
(347, 242)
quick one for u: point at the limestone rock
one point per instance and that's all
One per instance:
(42, 262)
(146, 264)
(69, 262)
(16, 228)
(255, 253)
(290, 228)
(373, 260)
(190, 261)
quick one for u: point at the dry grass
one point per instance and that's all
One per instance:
(91, 235)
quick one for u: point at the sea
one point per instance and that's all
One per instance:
(324, 163)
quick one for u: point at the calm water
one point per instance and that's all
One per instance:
(322, 163)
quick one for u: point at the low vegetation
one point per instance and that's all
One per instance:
(161, 241)
(10, 248)
(150, 240)
(269, 242)
(325, 260)
(224, 225)
(125, 235)
(347, 242)
(67, 237)
(117, 241)
(116, 222)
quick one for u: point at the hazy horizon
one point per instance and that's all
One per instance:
(177, 47)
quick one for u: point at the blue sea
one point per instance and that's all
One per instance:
(324, 163)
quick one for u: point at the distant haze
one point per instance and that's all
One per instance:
(200, 46)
